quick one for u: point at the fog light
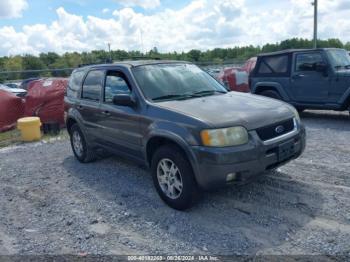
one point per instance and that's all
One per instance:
(230, 177)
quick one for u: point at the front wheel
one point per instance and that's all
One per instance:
(173, 178)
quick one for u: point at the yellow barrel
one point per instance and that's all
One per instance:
(30, 128)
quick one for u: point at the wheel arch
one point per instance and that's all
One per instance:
(159, 139)
(69, 123)
(273, 86)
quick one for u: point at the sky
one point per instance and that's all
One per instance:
(35, 26)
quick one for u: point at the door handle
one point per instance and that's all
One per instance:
(106, 113)
(298, 76)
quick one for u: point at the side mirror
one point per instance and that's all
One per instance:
(321, 67)
(124, 100)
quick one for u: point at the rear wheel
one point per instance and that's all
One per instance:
(173, 178)
(80, 148)
(271, 94)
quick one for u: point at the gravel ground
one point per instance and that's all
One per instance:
(52, 204)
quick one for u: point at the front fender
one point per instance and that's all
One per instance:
(175, 133)
(274, 85)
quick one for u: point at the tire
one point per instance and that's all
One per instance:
(82, 152)
(183, 197)
(300, 109)
(271, 94)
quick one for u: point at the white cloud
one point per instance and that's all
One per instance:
(202, 24)
(146, 4)
(105, 10)
(12, 8)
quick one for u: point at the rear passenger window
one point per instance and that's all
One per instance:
(277, 64)
(307, 62)
(116, 83)
(75, 82)
(93, 85)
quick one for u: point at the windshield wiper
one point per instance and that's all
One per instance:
(188, 95)
(166, 97)
(342, 66)
(207, 92)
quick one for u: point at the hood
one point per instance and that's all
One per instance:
(232, 109)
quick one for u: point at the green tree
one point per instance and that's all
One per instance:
(70, 60)
(194, 55)
(13, 63)
(347, 46)
(49, 58)
(30, 62)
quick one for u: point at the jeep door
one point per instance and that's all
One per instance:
(340, 84)
(121, 128)
(307, 84)
(89, 104)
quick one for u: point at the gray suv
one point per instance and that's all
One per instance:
(176, 119)
(305, 78)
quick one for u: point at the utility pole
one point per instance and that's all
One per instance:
(315, 23)
(109, 51)
(141, 41)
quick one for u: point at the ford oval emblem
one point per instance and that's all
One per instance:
(279, 129)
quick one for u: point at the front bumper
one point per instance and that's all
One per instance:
(212, 165)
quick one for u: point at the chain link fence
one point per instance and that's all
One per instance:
(212, 67)
(18, 76)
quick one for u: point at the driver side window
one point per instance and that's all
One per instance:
(308, 62)
(116, 84)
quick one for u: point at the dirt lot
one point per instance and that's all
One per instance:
(52, 204)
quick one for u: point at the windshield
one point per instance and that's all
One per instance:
(339, 58)
(175, 81)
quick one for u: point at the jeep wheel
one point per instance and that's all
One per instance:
(79, 146)
(300, 109)
(271, 94)
(173, 178)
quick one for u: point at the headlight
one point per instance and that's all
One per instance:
(232, 136)
(296, 114)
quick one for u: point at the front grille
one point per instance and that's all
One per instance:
(275, 130)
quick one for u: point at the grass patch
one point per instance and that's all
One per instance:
(13, 137)
(61, 136)
(9, 138)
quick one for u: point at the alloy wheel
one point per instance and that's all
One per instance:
(169, 178)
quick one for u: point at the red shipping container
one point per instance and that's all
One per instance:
(45, 99)
(11, 108)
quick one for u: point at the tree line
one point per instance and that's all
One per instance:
(51, 60)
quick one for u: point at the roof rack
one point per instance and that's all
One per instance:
(107, 61)
(87, 64)
(140, 58)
